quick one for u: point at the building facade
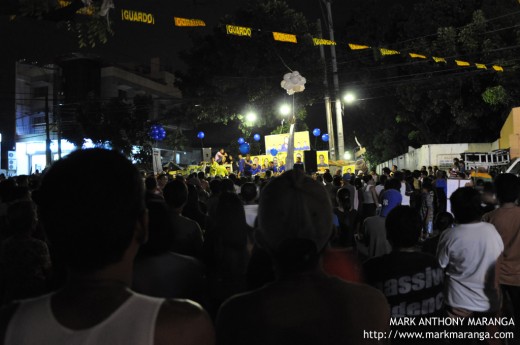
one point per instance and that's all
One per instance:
(47, 98)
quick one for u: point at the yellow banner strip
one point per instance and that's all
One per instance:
(188, 22)
(238, 30)
(283, 37)
(461, 63)
(322, 42)
(357, 46)
(418, 56)
(385, 52)
(136, 16)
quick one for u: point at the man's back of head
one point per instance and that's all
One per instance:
(294, 207)
(176, 194)
(248, 192)
(304, 305)
(88, 218)
(507, 188)
(466, 205)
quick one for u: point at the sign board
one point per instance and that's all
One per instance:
(156, 160)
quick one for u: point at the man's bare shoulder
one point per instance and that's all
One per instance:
(6, 313)
(183, 322)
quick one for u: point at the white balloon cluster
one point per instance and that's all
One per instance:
(293, 82)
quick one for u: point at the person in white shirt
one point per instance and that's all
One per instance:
(220, 155)
(468, 253)
(96, 231)
(248, 193)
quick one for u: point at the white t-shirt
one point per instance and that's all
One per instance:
(251, 213)
(406, 198)
(133, 322)
(469, 252)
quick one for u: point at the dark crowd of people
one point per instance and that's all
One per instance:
(91, 258)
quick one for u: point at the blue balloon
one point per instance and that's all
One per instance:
(256, 137)
(241, 140)
(274, 152)
(316, 132)
(200, 135)
(244, 148)
(325, 137)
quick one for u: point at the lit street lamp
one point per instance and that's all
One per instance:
(349, 98)
(285, 109)
(251, 118)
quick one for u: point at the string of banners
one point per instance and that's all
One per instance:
(243, 31)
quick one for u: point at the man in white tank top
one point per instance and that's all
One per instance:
(95, 227)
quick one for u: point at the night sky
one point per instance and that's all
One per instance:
(41, 41)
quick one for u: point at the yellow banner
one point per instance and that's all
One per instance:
(323, 42)
(498, 68)
(280, 142)
(357, 46)
(188, 22)
(461, 63)
(88, 11)
(481, 66)
(418, 56)
(238, 30)
(280, 36)
(385, 51)
(438, 59)
(136, 16)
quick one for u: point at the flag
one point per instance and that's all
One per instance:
(498, 68)
(481, 66)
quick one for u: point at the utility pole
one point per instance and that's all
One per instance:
(339, 116)
(47, 133)
(328, 110)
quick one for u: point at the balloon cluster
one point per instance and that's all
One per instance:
(293, 82)
(157, 132)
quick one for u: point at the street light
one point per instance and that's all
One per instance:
(347, 156)
(349, 98)
(251, 117)
(285, 109)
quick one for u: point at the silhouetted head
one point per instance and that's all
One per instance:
(90, 220)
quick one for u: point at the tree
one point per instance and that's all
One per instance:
(419, 102)
(118, 123)
(86, 22)
(229, 75)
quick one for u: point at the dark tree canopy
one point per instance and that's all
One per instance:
(411, 102)
(229, 75)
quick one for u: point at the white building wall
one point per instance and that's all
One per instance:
(440, 155)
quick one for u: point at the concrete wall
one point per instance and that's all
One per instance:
(440, 155)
